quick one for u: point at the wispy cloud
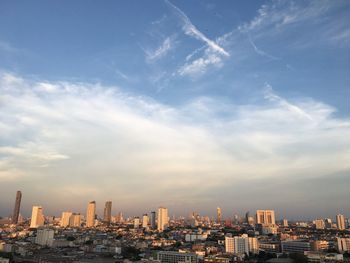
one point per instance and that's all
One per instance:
(191, 30)
(261, 52)
(162, 50)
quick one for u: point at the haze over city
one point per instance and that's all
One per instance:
(189, 105)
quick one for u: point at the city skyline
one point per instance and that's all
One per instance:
(192, 105)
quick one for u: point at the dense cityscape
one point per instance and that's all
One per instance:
(156, 237)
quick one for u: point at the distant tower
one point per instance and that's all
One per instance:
(90, 214)
(145, 221)
(17, 207)
(65, 219)
(218, 215)
(162, 219)
(340, 222)
(107, 213)
(37, 217)
(247, 217)
(153, 220)
(265, 217)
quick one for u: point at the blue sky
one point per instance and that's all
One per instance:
(185, 104)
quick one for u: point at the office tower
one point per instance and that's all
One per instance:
(253, 245)
(119, 218)
(44, 237)
(65, 218)
(162, 219)
(265, 217)
(237, 245)
(17, 208)
(145, 221)
(136, 222)
(107, 212)
(75, 220)
(37, 217)
(285, 222)
(340, 222)
(218, 215)
(319, 224)
(247, 217)
(90, 214)
(153, 220)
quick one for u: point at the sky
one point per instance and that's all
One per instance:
(184, 104)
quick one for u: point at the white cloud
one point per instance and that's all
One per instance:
(98, 137)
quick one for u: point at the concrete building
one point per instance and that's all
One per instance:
(145, 220)
(265, 217)
(295, 246)
(162, 222)
(17, 207)
(65, 219)
(136, 222)
(176, 257)
(44, 237)
(37, 218)
(218, 215)
(90, 214)
(107, 213)
(319, 224)
(237, 245)
(340, 222)
(75, 220)
(153, 220)
(343, 244)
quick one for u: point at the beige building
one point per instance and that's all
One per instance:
(44, 237)
(90, 214)
(340, 222)
(162, 222)
(218, 215)
(320, 224)
(65, 219)
(37, 217)
(265, 217)
(75, 220)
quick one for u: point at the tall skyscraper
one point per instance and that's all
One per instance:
(75, 220)
(107, 213)
(136, 222)
(65, 219)
(162, 222)
(340, 222)
(90, 214)
(17, 207)
(145, 221)
(265, 217)
(37, 217)
(218, 215)
(153, 220)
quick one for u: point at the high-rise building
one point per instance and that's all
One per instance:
(153, 220)
(319, 224)
(343, 244)
(75, 220)
(162, 222)
(44, 237)
(65, 219)
(265, 217)
(237, 245)
(119, 218)
(340, 222)
(145, 221)
(218, 215)
(90, 214)
(17, 208)
(37, 217)
(136, 222)
(107, 213)
(285, 222)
